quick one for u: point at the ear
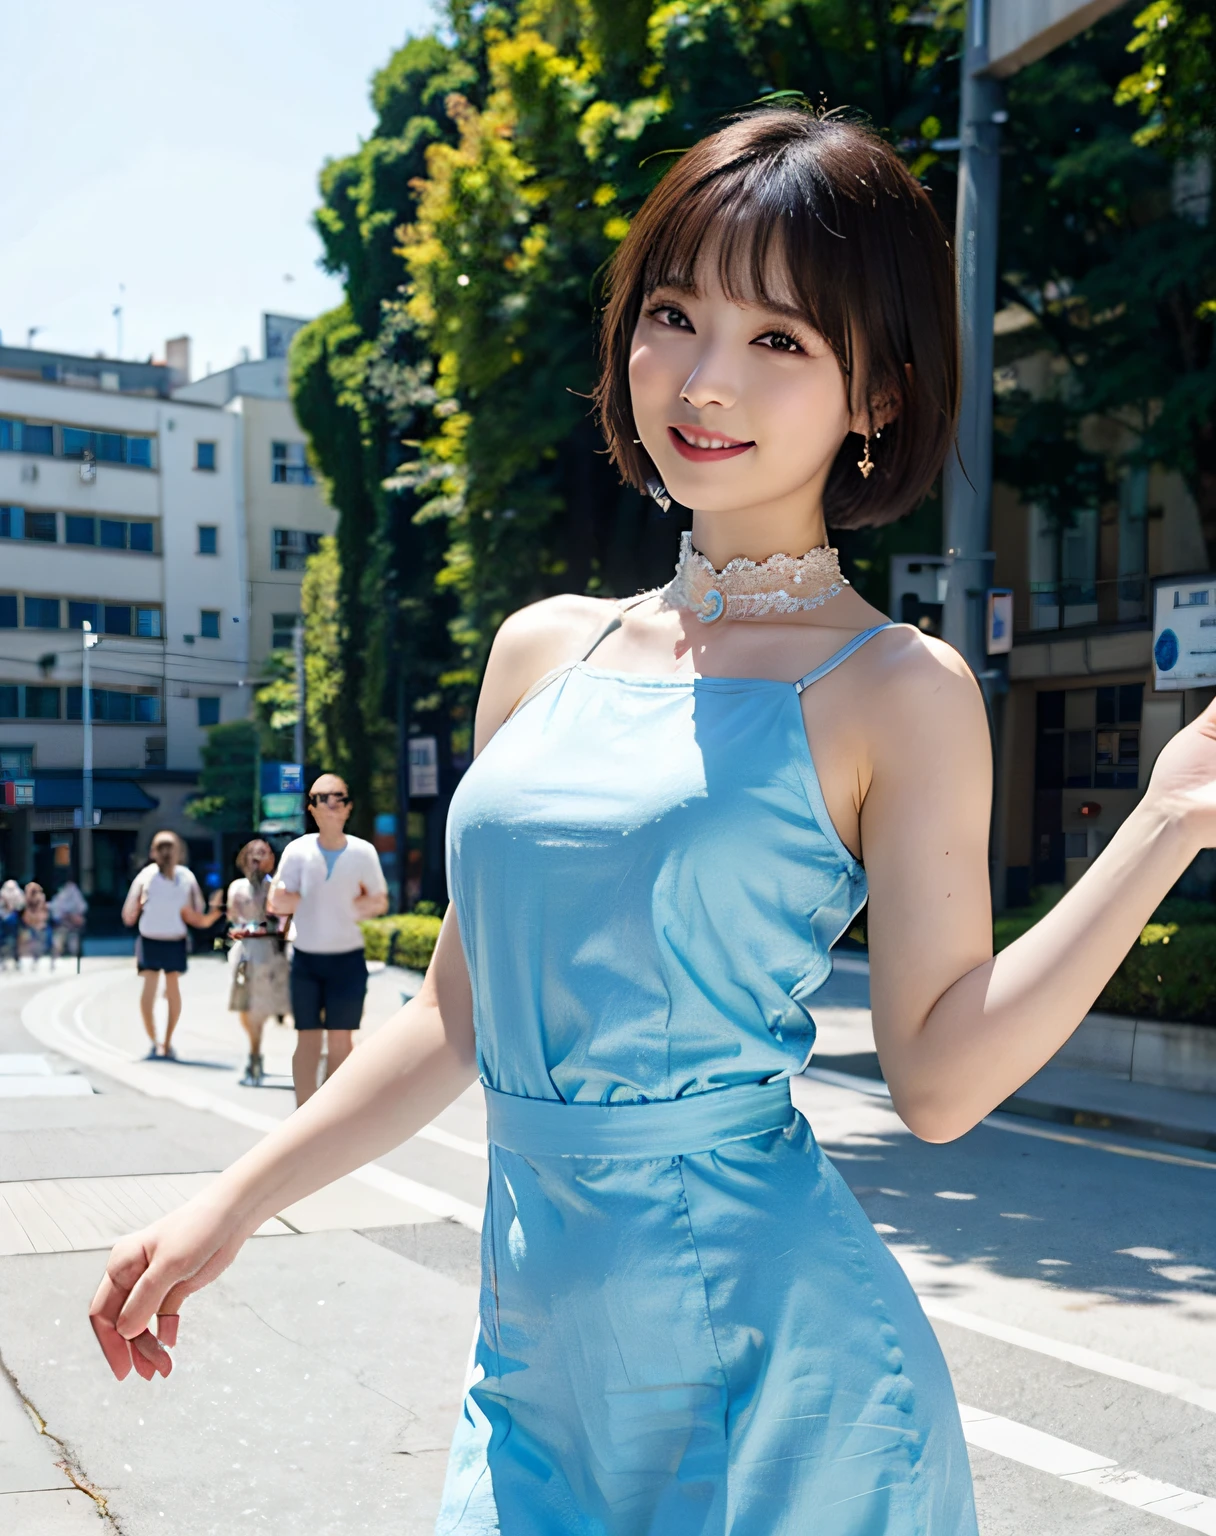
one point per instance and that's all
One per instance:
(883, 409)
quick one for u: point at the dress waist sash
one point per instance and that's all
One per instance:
(698, 1122)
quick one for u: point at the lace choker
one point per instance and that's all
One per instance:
(743, 589)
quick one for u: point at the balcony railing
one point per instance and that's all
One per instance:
(1071, 604)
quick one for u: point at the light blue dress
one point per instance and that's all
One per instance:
(688, 1325)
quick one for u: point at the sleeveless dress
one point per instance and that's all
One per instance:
(688, 1326)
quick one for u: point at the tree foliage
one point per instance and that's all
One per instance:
(227, 788)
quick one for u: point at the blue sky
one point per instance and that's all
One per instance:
(174, 149)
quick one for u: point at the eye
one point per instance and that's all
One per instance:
(779, 341)
(670, 315)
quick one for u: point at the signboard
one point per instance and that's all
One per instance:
(999, 626)
(1021, 31)
(277, 331)
(278, 806)
(18, 792)
(282, 779)
(424, 766)
(1184, 633)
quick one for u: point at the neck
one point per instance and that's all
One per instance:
(332, 840)
(754, 533)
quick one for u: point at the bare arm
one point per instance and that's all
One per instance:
(281, 902)
(370, 903)
(134, 904)
(957, 1029)
(409, 1070)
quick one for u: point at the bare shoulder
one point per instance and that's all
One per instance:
(531, 642)
(924, 692)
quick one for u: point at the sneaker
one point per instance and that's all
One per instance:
(252, 1077)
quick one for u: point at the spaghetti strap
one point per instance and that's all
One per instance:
(542, 683)
(842, 654)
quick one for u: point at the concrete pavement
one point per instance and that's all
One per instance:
(1070, 1275)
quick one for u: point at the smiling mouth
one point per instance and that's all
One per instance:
(703, 447)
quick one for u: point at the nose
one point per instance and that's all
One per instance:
(710, 382)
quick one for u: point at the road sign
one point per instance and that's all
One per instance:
(1184, 633)
(1021, 31)
(424, 766)
(999, 625)
(282, 779)
(277, 806)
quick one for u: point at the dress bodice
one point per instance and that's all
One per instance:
(648, 885)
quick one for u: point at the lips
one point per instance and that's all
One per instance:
(730, 448)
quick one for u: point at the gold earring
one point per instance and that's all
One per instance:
(866, 465)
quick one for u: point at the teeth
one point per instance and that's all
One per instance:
(709, 442)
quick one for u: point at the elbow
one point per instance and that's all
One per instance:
(931, 1117)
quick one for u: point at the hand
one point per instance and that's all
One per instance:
(150, 1274)
(1183, 783)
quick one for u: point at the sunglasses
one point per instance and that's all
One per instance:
(332, 798)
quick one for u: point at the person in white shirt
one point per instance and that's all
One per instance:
(328, 883)
(164, 898)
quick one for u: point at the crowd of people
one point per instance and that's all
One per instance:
(32, 926)
(296, 943)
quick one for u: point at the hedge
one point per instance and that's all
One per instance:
(407, 939)
(1169, 973)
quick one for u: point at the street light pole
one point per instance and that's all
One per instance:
(297, 647)
(89, 640)
(967, 523)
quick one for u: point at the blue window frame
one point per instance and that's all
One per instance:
(114, 707)
(12, 522)
(209, 711)
(289, 464)
(113, 534)
(42, 526)
(41, 703)
(107, 447)
(8, 610)
(141, 537)
(10, 702)
(204, 456)
(79, 530)
(147, 623)
(139, 452)
(42, 613)
(25, 437)
(209, 623)
(208, 539)
(117, 618)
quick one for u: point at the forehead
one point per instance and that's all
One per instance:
(329, 783)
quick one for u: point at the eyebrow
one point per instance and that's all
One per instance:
(774, 306)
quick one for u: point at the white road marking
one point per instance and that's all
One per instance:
(998, 1122)
(1073, 1464)
(52, 1032)
(1075, 1354)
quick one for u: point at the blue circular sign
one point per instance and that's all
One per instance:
(1165, 652)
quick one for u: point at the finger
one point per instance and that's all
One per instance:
(144, 1302)
(166, 1328)
(103, 1316)
(143, 1366)
(154, 1352)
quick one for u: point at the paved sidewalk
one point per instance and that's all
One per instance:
(317, 1382)
(1064, 1095)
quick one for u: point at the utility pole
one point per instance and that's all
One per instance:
(297, 647)
(967, 524)
(88, 641)
(403, 786)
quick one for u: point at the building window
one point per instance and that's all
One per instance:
(42, 613)
(25, 437)
(204, 456)
(140, 536)
(1063, 569)
(80, 614)
(113, 534)
(154, 751)
(16, 762)
(282, 630)
(289, 464)
(107, 447)
(79, 530)
(209, 623)
(41, 703)
(115, 706)
(20, 523)
(208, 539)
(10, 706)
(291, 548)
(209, 711)
(8, 610)
(116, 618)
(147, 623)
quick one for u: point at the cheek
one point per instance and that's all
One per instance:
(649, 382)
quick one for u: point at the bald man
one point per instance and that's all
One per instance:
(327, 883)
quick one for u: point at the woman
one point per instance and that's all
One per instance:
(35, 938)
(258, 957)
(687, 1323)
(12, 903)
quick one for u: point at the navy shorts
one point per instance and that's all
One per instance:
(327, 991)
(159, 954)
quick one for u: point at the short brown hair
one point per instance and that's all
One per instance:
(858, 240)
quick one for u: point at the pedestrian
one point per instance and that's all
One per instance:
(69, 911)
(35, 937)
(688, 1325)
(163, 900)
(12, 901)
(327, 883)
(257, 960)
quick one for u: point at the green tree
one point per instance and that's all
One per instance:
(227, 792)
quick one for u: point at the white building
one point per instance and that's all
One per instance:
(174, 518)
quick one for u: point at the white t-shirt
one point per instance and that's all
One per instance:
(161, 915)
(325, 921)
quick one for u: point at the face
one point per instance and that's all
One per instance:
(329, 802)
(740, 406)
(258, 859)
(164, 851)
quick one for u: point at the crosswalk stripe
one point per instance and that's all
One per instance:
(1073, 1464)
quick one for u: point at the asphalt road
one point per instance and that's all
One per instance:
(1071, 1278)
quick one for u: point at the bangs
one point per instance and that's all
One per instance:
(773, 233)
(817, 218)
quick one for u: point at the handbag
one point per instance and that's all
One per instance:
(240, 988)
